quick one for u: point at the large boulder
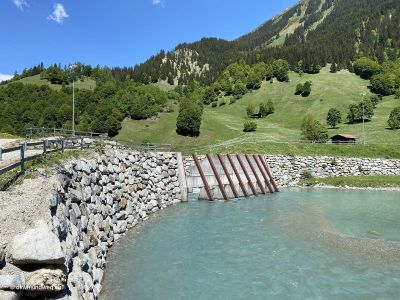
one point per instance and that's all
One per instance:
(36, 246)
(2, 255)
(9, 295)
(45, 282)
(11, 282)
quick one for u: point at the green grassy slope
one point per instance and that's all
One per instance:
(226, 123)
(88, 83)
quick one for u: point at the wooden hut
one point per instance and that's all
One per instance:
(343, 139)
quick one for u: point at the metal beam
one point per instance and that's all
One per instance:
(221, 186)
(203, 177)
(263, 174)
(271, 178)
(247, 175)
(221, 161)
(237, 176)
(255, 174)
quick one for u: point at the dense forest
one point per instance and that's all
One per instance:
(100, 110)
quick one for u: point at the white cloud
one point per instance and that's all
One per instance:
(59, 13)
(4, 77)
(21, 4)
(156, 2)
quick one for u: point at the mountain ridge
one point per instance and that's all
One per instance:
(298, 33)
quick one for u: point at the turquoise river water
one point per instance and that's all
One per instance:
(297, 244)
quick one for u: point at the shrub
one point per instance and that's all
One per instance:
(394, 118)
(189, 118)
(304, 89)
(366, 67)
(267, 108)
(250, 126)
(250, 109)
(214, 104)
(384, 83)
(232, 101)
(397, 94)
(299, 89)
(307, 174)
(313, 130)
(222, 103)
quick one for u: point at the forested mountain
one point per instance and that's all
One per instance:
(311, 33)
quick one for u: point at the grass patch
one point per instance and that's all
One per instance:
(372, 151)
(47, 163)
(87, 83)
(356, 181)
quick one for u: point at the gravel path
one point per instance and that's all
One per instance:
(22, 206)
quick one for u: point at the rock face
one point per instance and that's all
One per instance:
(98, 200)
(36, 246)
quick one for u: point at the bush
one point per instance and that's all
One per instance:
(313, 130)
(299, 89)
(304, 89)
(267, 108)
(307, 174)
(250, 126)
(384, 83)
(397, 94)
(214, 104)
(222, 103)
(189, 118)
(394, 118)
(366, 67)
(250, 109)
(232, 101)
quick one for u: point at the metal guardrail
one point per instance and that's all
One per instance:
(45, 132)
(62, 144)
(46, 147)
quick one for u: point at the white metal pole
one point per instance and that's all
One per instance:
(73, 107)
(363, 117)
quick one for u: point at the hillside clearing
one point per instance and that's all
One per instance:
(225, 124)
(87, 83)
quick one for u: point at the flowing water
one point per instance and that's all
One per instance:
(298, 244)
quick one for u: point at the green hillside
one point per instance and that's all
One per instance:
(225, 123)
(88, 83)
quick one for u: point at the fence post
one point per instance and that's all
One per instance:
(44, 148)
(22, 157)
(81, 143)
(42, 132)
(31, 133)
(54, 131)
(1, 154)
(62, 145)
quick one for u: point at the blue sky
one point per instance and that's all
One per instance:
(118, 32)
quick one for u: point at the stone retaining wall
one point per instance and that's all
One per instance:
(289, 170)
(95, 202)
